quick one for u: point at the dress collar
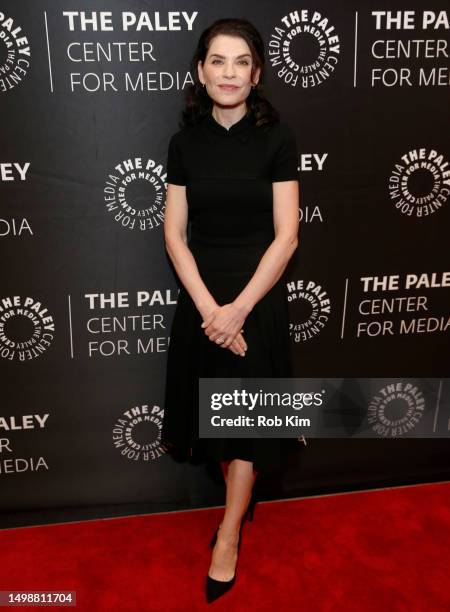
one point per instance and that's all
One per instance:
(240, 127)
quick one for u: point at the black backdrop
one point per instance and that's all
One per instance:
(87, 292)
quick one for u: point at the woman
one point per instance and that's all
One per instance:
(232, 173)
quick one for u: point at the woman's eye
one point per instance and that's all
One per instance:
(241, 61)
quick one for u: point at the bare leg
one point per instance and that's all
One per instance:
(240, 480)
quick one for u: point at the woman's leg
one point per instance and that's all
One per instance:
(240, 478)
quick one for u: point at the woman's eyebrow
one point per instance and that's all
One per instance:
(223, 56)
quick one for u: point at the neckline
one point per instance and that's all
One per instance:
(238, 127)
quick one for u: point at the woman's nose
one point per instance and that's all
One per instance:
(229, 70)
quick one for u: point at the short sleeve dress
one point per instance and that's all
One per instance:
(228, 174)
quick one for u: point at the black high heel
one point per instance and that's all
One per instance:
(216, 588)
(248, 515)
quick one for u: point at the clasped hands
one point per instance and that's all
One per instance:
(223, 325)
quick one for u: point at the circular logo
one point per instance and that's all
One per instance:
(137, 433)
(396, 409)
(309, 309)
(14, 54)
(135, 194)
(419, 184)
(304, 49)
(26, 328)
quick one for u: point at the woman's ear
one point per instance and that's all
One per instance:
(200, 70)
(255, 76)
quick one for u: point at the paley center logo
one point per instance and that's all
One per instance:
(26, 328)
(14, 53)
(309, 309)
(304, 48)
(419, 183)
(137, 433)
(135, 193)
(396, 409)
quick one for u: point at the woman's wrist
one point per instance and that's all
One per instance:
(206, 309)
(243, 306)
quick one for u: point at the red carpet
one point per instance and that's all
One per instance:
(387, 549)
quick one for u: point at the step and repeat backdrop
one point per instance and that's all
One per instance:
(90, 95)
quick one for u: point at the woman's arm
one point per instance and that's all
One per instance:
(175, 235)
(275, 259)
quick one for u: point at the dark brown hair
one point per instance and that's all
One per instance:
(198, 102)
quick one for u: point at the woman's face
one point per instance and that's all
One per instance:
(227, 69)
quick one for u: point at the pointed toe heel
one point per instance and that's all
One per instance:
(216, 588)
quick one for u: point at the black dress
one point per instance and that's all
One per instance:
(228, 175)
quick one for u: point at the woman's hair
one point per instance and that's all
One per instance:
(198, 102)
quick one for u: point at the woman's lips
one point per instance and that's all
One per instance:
(228, 87)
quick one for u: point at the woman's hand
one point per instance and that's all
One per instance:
(239, 345)
(224, 324)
